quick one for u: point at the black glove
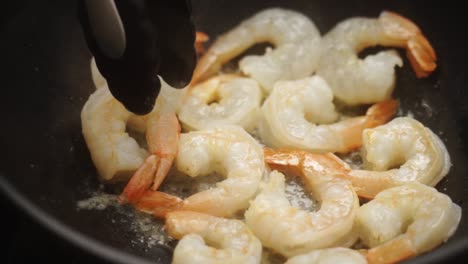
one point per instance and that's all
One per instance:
(158, 39)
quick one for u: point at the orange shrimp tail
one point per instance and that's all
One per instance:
(398, 26)
(420, 52)
(288, 161)
(376, 115)
(200, 38)
(381, 113)
(293, 162)
(140, 181)
(158, 204)
(391, 252)
(369, 183)
(165, 164)
(162, 136)
(421, 56)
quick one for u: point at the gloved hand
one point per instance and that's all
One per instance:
(134, 41)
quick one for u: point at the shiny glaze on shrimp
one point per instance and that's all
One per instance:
(227, 150)
(370, 80)
(329, 256)
(234, 241)
(300, 114)
(406, 221)
(291, 231)
(399, 152)
(228, 99)
(114, 152)
(296, 53)
(162, 137)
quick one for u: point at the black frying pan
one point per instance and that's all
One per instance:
(45, 166)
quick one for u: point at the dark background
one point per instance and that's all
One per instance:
(24, 240)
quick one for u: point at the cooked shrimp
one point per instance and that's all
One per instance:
(231, 240)
(162, 137)
(355, 81)
(226, 99)
(296, 55)
(290, 115)
(329, 256)
(115, 154)
(291, 231)
(406, 221)
(398, 152)
(227, 150)
(135, 122)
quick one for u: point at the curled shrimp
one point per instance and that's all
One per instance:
(329, 256)
(296, 55)
(291, 231)
(289, 118)
(115, 154)
(355, 81)
(234, 242)
(406, 221)
(227, 150)
(162, 137)
(226, 99)
(398, 152)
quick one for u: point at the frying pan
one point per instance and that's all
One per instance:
(45, 166)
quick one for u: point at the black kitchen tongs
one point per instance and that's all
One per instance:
(134, 41)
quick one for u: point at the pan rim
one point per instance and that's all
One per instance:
(111, 254)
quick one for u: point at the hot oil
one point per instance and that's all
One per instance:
(353, 159)
(150, 231)
(298, 195)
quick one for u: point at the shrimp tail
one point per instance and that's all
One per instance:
(158, 204)
(381, 113)
(293, 162)
(200, 38)
(368, 183)
(165, 164)
(421, 56)
(420, 52)
(376, 115)
(162, 136)
(140, 181)
(394, 251)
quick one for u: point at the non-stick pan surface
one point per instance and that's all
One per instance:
(45, 166)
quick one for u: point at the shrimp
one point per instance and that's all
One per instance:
(227, 99)
(289, 116)
(115, 154)
(398, 152)
(234, 242)
(355, 81)
(162, 136)
(329, 256)
(227, 150)
(291, 231)
(296, 55)
(406, 221)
